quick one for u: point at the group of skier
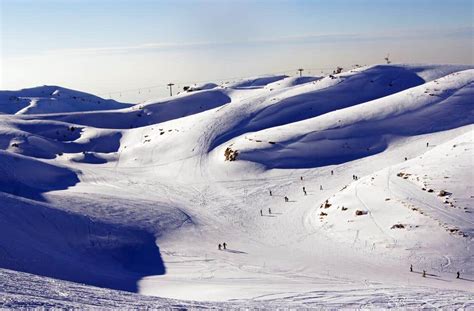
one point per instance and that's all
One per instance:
(222, 246)
(458, 274)
(304, 190)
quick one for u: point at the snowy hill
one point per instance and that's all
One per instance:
(53, 99)
(375, 163)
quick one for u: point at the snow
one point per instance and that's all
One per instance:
(52, 99)
(137, 198)
(22, 290)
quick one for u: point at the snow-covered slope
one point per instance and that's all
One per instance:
(346, 134)
(53, 99)
(149, 113)
(26, 291)
(376, 164)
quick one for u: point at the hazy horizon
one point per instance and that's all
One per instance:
(116, 46)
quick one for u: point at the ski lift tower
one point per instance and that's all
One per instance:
(170, 85)
(301, 71)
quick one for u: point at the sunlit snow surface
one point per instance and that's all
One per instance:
(137, 198)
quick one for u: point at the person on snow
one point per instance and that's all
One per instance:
(286, 199)
(411, 268)
(224, 245)
(332, 172)
(424, 273)
(304, 190)
(458, 275)
(270, 192)
(301, 178)
(269, 211)
(220, 246)
(427, 145)
(261, 213)
(321, 187)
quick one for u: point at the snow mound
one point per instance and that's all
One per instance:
(53, 99)
(18, 180)
(148, 113)
(365, 129)
(317, 98)
(291, 81)
(254, 82)
(49, 242)
(50, 139)
(200, 87)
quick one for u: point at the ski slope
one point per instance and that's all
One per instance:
(138, 198)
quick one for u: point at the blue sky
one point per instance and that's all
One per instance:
(102, 46)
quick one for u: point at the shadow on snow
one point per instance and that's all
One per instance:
(53, 243)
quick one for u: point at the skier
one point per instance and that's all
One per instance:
(270, 192)
(225, 245)
(406, 159)
(424, 273)
(304, 190)
(332, 172)
(261, 213)
(286, 199)
(458, 275)
(301, 178)
(427, 145)
(269, 211)
(411, 268)
(321, 187)
(220, 247)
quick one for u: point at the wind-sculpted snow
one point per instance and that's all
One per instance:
(30, 178)
(148, 113)
(255, 82)
(291, 81)
(335, 93)
(349, 134)
(50, 139)
(49, 242)
(53, 99)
